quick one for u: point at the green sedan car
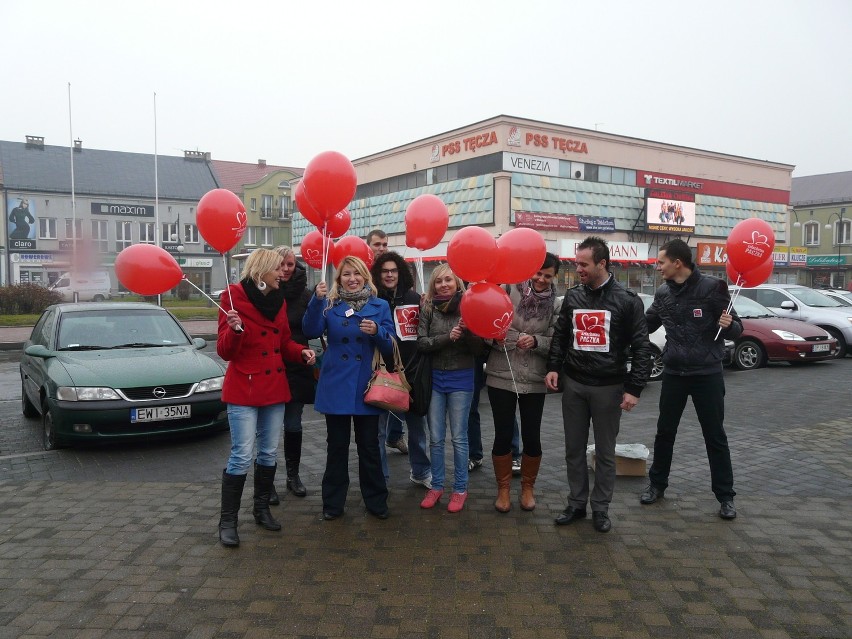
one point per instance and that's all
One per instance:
(100, 371)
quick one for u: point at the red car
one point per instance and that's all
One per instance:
(767, 337)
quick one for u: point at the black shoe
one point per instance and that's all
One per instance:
(569, 516)
(295, 486)
(651, 494)
(330, 516)
(380, 515)
(601, 522)
(728, 511)
(274, 500)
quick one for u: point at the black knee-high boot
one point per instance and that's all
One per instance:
(232, 492)
(292, 457)
(263, 478)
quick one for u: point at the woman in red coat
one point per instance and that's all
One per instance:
(254, 337)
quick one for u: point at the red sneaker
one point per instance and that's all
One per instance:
(457, 502)
(431, 498)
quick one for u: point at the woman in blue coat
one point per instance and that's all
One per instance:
(355, 322)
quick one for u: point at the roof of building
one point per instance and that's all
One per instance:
(235, 175)
(47, 168)
(825, 188)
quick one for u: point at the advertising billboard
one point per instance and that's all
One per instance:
(669, 211)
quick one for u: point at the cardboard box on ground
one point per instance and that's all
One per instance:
(631, 460)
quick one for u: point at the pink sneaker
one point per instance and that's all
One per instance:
(431, 498)
(457, 502)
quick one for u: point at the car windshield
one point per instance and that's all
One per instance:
(811, 297)
(118, 328)
(844, 297)
(749, 309)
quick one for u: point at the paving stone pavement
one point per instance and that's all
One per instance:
(120, 541)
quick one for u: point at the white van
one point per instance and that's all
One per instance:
(90, 287)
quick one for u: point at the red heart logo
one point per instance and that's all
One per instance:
(588, 322)
(242, 221)
(410, 314)
(502, 323)
(312, 254)
(758, 238)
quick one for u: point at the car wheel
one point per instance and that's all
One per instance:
(748, 355)
(27, 407)
(841, 343)
(98, 298)
(656, 364)
(49, 441)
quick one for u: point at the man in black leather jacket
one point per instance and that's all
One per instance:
(692, 307)
(601, 325)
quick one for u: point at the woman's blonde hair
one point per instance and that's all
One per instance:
(440, 271)
(259, 263)
(358, 264)
(284, 251)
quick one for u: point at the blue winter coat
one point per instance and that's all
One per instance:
(347, 363)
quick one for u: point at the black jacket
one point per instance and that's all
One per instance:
(299, 376)
(592, 353)
(407, 348)
(690, 313)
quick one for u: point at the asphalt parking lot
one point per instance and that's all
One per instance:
(120, 540)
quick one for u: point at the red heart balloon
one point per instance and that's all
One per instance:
(487, 310)
(221, 219)
(330, 182)
(355, 246)
(337, 225)
(312, 245)
(472, 253)
(147, 269)
(750, 244)
(305, 207)
(426, 221)
(520, 254)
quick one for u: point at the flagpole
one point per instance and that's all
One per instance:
(73, 195)
(156, 193)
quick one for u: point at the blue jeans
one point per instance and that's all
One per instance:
(250, 423)
(418, 445)
(293, 417)
(456, 406)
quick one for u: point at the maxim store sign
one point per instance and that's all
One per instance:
(132, 210)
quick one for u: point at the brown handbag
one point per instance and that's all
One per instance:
(388, 390)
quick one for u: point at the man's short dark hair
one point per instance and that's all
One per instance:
(678, 250)
(379, 233)
(598, 246)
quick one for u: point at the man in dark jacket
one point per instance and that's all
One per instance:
(601, 325)
(692, 307)
(395, 284)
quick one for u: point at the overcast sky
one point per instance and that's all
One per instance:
(283, 80)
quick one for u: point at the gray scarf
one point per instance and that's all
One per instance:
(358, 299)
(534, 304)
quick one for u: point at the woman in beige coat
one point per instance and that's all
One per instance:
(525, 347)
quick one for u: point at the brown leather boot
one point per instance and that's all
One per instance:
(529, 471)
(503, 473)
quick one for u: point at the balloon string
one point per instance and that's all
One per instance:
(239, 329)
(731, 303)
(325, 249)
(188, 281)
(418, 264)
(511, 372)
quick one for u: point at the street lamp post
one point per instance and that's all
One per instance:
(839, 236)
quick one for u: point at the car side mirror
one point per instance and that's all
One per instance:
(37, 350)
(788, 305)
(199, 343)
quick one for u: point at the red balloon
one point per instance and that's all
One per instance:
(520, 254)
(355, 246)
(757, 275)
(750, 244)
(472, 254)
(312, 248)
(147, 269)
(337, 225)
(221, 219)
(330, 182)
(426, 221)
(305, 207)
(487, 310)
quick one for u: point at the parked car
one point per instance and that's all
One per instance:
(99, 371)
(91, 286)
(844, 297)
(658, 341)
(767, 337)
(792, 301)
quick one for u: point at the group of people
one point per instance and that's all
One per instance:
(580, 345)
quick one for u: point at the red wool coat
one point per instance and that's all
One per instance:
(256, 374)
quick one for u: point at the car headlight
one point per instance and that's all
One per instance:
(85, 393)
(209, 385)
(790, 337)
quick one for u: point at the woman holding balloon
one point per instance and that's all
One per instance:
(355, 323)
(516, 371)
(254, 337)
(443, 335)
